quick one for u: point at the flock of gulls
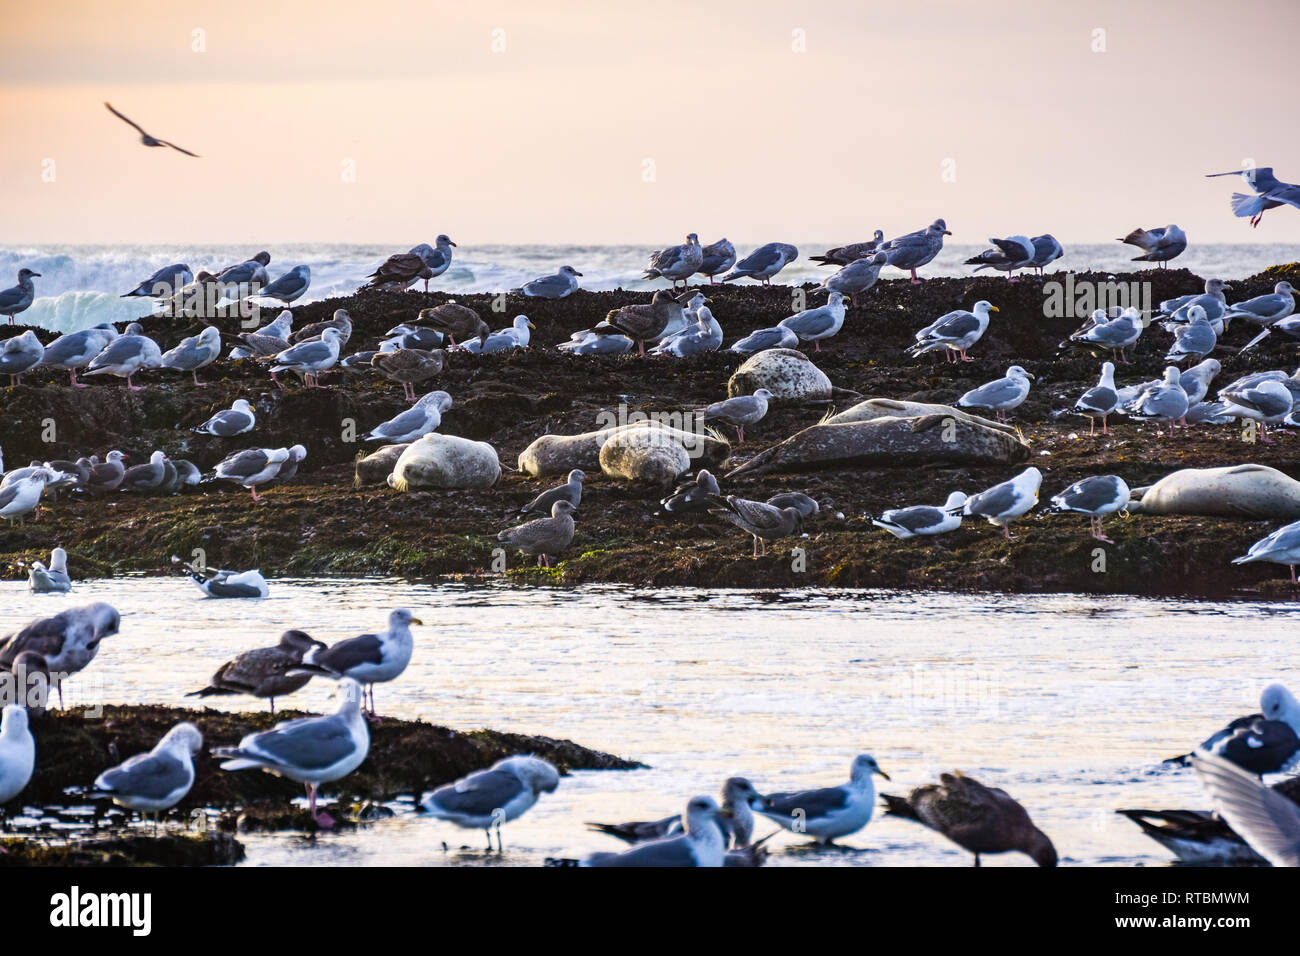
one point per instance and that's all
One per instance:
(319, 750)
(1256, 822)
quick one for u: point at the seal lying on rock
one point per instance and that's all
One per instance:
(445, 461)
(560, 454)
(890, 441)
(789, 375)
(650, 455)
(1234, 491)
(374, 469)
(872, 408)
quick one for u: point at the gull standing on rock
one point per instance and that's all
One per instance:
(1004, 503)
(194, 353)
(456, 321)
(706, 336)
(421, 418)
(19, 354)
(570, 491)
(956, 331)
(236, 420)
(916, 249)
(763, 522)
(828, 813)
(676, 263)
(693, 496)
(643, 323)
(309, 358)
(1095, 497)
(146, 477)
(408, 366)
(923, 519)
(764, 262)
(106, 475)
(1157, 245)
(718, 258)
(53, 579)
(127, 355)
(1100, 401)
(311, 750)
(1103, 332)
(561, 285)
(740, 411)
(19, 298)
(1267, 403)
(1280, 547)
(1008, 255)
(369, 659)
(76, 350)
(341, 322)
(1165, 402)
(843, 255)
(1193, 341)
(289, 287)
(1001, 395)
(514, 336)
(1046, 251)
(488, 798)
(813, 325)
(855, 278)
(762, 339)
(23, 496)
(158, 779)
(252, 467)
(543, 537)
(164, 283)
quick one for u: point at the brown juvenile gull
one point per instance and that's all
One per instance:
(455, 321)
(409, 366)
(570, 491)
(693, 495)
(843, 255)
(28, 679)
(264, 671)
(311, 750)
(739, 411)
(977, 818)
(543, 537)
(401, 270)
(145, 138)
(68, 641)
(643, 323)
(341, 321)
(763, 521)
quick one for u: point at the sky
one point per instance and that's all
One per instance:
(516, 121)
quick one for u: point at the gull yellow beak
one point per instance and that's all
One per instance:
(531, 326)
(882, 773)
(416, 620)
(995, 308)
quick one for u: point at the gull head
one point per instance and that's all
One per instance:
(1278, 703)
(402, 617)
(864, 768)
(183, 738)
(444, 240)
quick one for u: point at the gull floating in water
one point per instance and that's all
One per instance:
(979, 819)
(923, 519)
(1270, 192)
(828, 813)
(1157, 245)
(19, 298)
(1000, 395)
(486, 799)
(1267, 742)
(311, 750)
(764, 262)
(55, 578)
(1095, 497)
(159, 779)
(1266, 820)
(145, 138)
(1005, 502)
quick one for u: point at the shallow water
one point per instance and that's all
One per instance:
(1068, 702)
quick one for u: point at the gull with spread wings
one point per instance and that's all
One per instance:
(145, 137)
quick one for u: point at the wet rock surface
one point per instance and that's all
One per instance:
(321, 524)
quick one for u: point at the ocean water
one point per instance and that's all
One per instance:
(1069, 702)
(80, 285)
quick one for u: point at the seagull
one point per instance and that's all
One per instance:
(264, 671)
(1157, 245)
(422, 262)
(17, 752)
(693, 495)
(543, 537)
(1280, 547)
(843, 255)
(828, 813)
(310, 358)
(570, 491)
(1007, 255)
(1195, 340)
(977, 818)
(855, 278)
(235, 420)
(764, 262)
(558, 286)
(52, 579)
(740, 411)
(127, 355)
(1196, 380)
(703, 843)
(252, 467)
(437, 257)
(1270, 192)
(145, 138)
(219, 583)
(311, 750)
(514, 336)
(955, 331)
(1164, 402)
(156, 780)
(777, 337)
(677, 263)
(1046, 250)
(1266, 820)
(19, 354)
(194, 353)
(456, 321)
(23, 495)
(1095, 497)
(762, 521)
(68, 641)
(341, 322)
(1001, 395)
(19, 298)
(718, 257)
(488, 798)
(1267, 742)
(1268, 403)
(915, 249)
(738, 797)
(75, 350)
(421, 418)
(369, 659)
(1115, 334)
(813, 325)
(704, 336)
(289, 287)
(1007, 501)
(164, 283)
(923, 519)
(1100, 401)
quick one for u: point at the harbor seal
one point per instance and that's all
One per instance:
(560, 454)
(445, 461)
(647, 455)
(789, 375)
(374, 469)
(1233, 491)
(889, 441)
(872, 408)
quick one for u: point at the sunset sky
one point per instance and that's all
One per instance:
(550, 139)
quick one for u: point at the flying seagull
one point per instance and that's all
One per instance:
(145, 137)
